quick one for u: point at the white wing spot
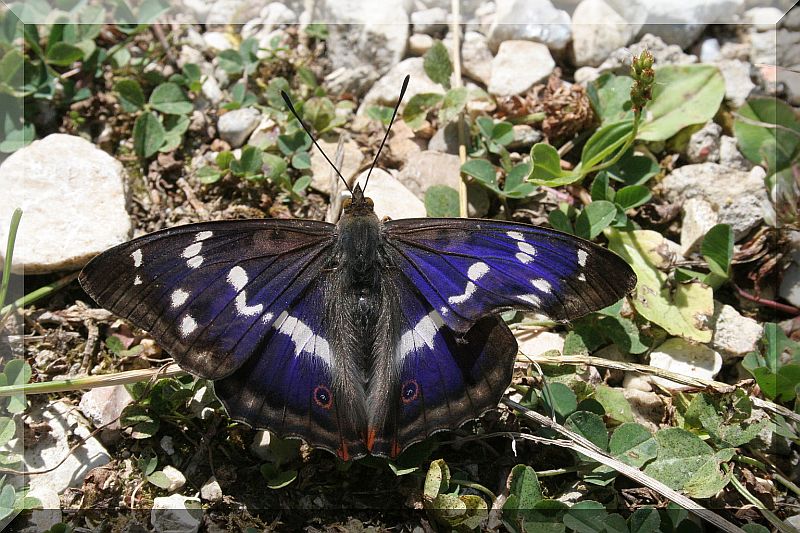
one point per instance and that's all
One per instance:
(461, 298)
(237, 277)
(203, 235)
(531, 299)
(582, 256)
(302, 336)
(517, 236)
(179, 297)
(522, 257)
(188, 325)
(526, 248)
(192, 250)
(195, 261)
(542, 285)
(137, 280)
(247, 310)
(477, 271)
(137, 257)
(266, 318)
(425, 331)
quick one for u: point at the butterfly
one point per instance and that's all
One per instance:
(360, 337)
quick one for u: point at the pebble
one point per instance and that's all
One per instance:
(211, 491)
(619, 61)
(69, 173)
(679, 356)
(703, 144)
(635, 380)
(419, 44)
(476, 57)
(524, 137)
(762, 18)
(647, 407)
(236, 126)
(103, 405)
(730, 156)
(392, 199)
(425, 169)
(176, 514)
(211, 90)
(386, 90)
(176, 478)
(734, 334)
(698, 217)
(217, 41)
(446, 139)
(789, 289)
(402, 143)
(538, 21)
(598, 30)
(538, 343)
(738, 84)
(321, 169)
(519, 65)
(432, 21)
(166, 443)
(260, 445)
(683, 26)
(709, 50)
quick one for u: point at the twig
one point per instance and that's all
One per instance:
(191, 197)
(159, 34)
(455, 31)
(769, 515)
(792, 310)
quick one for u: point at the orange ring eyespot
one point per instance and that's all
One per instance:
(409, 391)
(323, 397)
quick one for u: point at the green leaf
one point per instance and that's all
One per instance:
(169, 98)
(633, 169)
(380, 113)
(586, 517)
(274, 166)
(714, 416)
(633, 444)
(625, 334)
(437, 480)
(683, 310)
(589, 425)
(614, 404)
(524, 484)
(417, 108)
(63, 55)
(294, 142)
(717, 249)
(682, 95)
(610, 97)
(208, 175)
(645, 521)
(632, 196)
(7, 430)
(159, 479)
(248, 164)
(594, 218)
(230, 61)
(502, 133)
(777, 372)
(301, 160)
(563, 400)
(441, 201)
(138, 418)
(148, 134)
(600, 189)
(7, 499)
(516, 185)
(453, 104)
(319, 112)
(17, 372)
(604, 143)
(481, 170)
(131, 96)
(547, 167)
(560, 221)
(437, 64)
(768, 132)
(301, 184)
(276, 478)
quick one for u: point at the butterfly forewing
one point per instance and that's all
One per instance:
(467, 269)
(207, 292)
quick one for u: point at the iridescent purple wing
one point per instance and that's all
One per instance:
(208, 292)
(467, 269)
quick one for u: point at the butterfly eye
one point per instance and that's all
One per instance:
(347, 203)
(369, 202)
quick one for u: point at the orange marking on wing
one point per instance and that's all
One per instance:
(395, 449)
(342, 452)
(370, 438)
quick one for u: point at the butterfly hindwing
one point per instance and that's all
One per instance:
(467, 269)
(208, 292)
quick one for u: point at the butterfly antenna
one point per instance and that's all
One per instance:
(308, 131)
(386, 136)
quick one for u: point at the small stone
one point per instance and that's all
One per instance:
(211, 491)
(429, 168)
(176, 514)
(536, 21)
(237, 125)
(734, 334)
(538, 343)
(188, 55)
(402, 143)
(679, 356)
(703, 145)
(635, 380)
(790, 284)
(176, 479)
(476, 57)
(789, 78)
(762, 18)
(167, 444)
(419, 44)
(698, 217)
(709, 50)
(217, 41)
(598, 30)
(683, 26)
(738, 84)
(392, 199)
(619, 62)
(524, 137)
(431, 21)
(72, 174)
(211, 90)
(104, 405)
(321, 169)
(260, 445)
(791, 21)
(519, 65)
(386, 90)
(730, 156)
(445, 139)
(647, 407)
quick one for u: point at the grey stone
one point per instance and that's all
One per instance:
(540, 342)
(430, 21)
(428, 168)
(524, 137)
(789, 79)
(217, 41)
(211, 90)
(189, 54)
(681, 357)
(738, 84)
(269, 18)
(530, 20)
(392, 199)
(519, 65)
(176, 478)
(619, 61)
(386, 90)
(791, 21)
(648, 408)
(236, 126)
(446, 139)
(321, 170)
(734, 334)
(166, 443)
(703, 145)
(419, 43)
(738, 197)
(730, 156)
(211, 491)
(683, 26)
(698, 217)
(476, 57)
(104, 405)
(73, 197)
(176, 514)
(762, 18)
(709, 50)
(598, 30)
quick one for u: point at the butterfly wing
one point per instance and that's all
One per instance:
(467, 269)
(208, 292)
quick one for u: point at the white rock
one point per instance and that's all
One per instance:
(730, 156)
(166, 443)
(387, 89)
(189, 54)
(790, 284)
(102, 405)
(429, 21)
(703, 144)
(533, 344)
(635, 380)
(683, 26)
(211, 491)
(419, 43)
(321, 170)
(762, 18)
(524, 136)
(211, 90)
(519, 65)
(445, 139)
(225, 12)
(237, 125)
(619, 61)
(679, 356)
(734, 334)
(218, 41)
(47, 452)
(738, 197)
(392, 199)
(402, 143)
(791, 21)
(50, 513)
(72, 197)
(425, 169)
(176, 478)
(698, 217)
(648, 408)
(598, 30)
(738, 84)
(709, 50)
(476, 57)
(176, 514)
(270, 17)
(530, 20)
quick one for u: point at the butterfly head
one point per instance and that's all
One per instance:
(358, 204)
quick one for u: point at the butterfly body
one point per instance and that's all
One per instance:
(363, 337)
